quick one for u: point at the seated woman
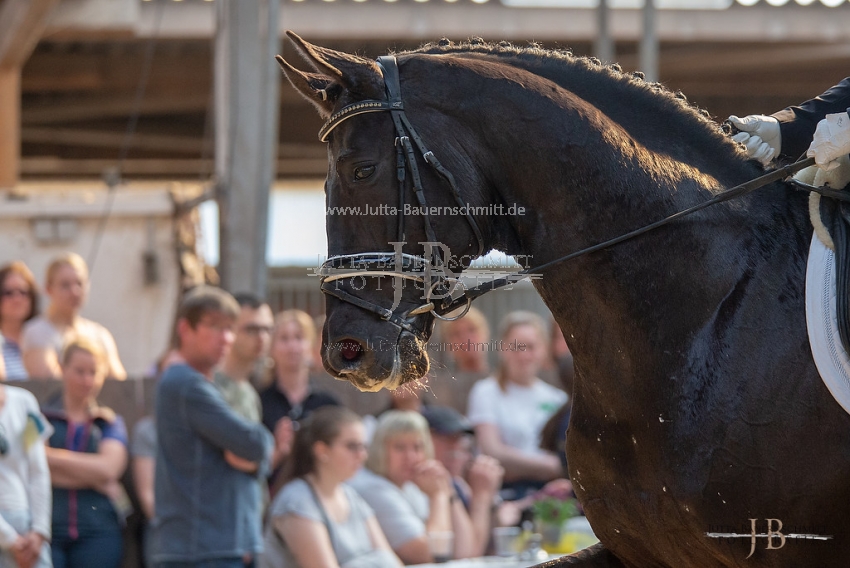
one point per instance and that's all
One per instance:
(67, 285)
(510, 409)
(24, 481)
(18, 305)
(412, 493)
(316, 519)
(87, 456)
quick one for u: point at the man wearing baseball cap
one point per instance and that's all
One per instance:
(477, 479)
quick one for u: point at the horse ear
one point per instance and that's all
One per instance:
(360, 76)
(320, 90)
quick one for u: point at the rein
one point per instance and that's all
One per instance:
(420, 269)
(731, 193)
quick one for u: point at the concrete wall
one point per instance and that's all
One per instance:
(44, 220)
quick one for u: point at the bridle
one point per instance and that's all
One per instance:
(432, 272)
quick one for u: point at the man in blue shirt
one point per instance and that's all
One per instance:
(207, 499)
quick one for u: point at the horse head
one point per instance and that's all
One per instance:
(389, 261)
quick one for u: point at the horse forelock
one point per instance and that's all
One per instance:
(693, 125)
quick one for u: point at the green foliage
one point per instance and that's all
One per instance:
(554, 511)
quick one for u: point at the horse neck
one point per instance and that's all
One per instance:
(583, 180)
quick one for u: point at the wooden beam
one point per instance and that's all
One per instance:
(150, 142)
(114, 67)
(93, 108)
(48, 166)
(764, 59)
(94, 138)
(10, 125)
(22, 23)
(427, 21)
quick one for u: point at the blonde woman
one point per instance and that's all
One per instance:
(509, 410)
(87, 456)
(412, 493)
(67, 286)
(317, 520)
(290, 397)
(468, 341)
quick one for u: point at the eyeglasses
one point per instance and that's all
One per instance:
(4, 442)
(252, 329)
(14, 292)
(217, 326)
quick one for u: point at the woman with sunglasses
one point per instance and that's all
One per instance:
(317, 519)
(18, 305)
(24, 481)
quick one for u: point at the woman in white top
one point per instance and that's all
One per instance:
(67, 285)
(316, 520)
(24, 481)
(510, 409)
(412, 493)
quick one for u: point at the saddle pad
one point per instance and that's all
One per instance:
(831, 360)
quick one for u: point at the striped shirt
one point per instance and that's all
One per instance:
(13, 361)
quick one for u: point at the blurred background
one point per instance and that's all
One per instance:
(159, 140)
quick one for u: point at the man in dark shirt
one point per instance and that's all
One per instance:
(276, 405)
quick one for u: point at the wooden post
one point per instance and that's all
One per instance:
(649, 42)
(604, 45)
(246, 83)
(21, 24)
(10, 126)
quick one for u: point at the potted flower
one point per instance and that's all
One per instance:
(551, 512)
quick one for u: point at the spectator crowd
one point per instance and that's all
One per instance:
(246, 461)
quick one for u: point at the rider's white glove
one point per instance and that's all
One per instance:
(760, 134)
(831, 141)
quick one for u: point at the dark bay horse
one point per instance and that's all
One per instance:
(697, 405)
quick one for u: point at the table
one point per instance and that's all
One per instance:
(486, 562)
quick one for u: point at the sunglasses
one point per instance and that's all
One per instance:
(4, 442)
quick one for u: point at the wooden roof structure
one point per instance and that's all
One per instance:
(81, 63)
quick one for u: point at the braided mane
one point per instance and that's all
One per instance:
(586, 75)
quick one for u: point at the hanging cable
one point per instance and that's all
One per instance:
(113, 176)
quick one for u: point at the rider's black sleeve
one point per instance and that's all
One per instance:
(797, 123)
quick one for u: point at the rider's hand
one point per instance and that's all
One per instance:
(760, 134)
(831, 141)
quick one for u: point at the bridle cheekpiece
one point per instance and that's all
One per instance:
(431, 272)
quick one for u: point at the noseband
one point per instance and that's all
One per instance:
(431, 272)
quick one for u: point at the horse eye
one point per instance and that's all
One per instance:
(362, 172)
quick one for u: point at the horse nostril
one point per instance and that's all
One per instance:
(350, 349)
